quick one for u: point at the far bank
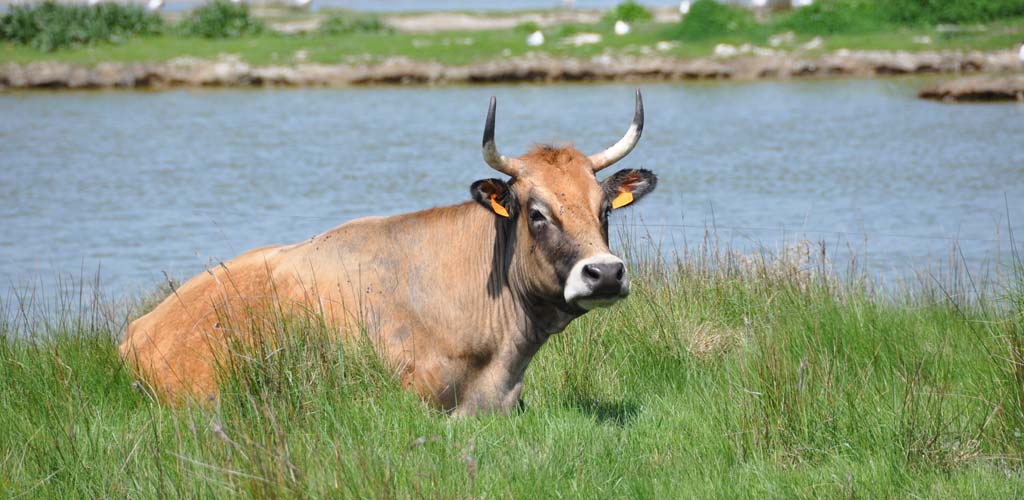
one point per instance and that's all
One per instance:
(229, 70)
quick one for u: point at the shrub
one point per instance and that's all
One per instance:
(931, 12)
(708, 18)
(526, 27)
(221, 19)
(565, 30)
(50, 26)
(851, 16)
(628, 11)
(346, 24)
(838, 16)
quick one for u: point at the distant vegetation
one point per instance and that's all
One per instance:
(710, 19)
(221, 19)
(50, 26)
(115, 32)
(344, 24)
(628, 11)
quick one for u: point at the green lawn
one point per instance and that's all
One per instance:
(458, 48)
(763, 381)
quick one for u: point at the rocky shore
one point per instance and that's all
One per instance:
(230, 71)
(978, 88)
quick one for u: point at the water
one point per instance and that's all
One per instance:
(142, 183)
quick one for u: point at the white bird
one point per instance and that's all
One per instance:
(154, 5)
(622, 27)
(796, 4)
(684, 7)
(758, 4)
(535, 39)
(1020, 54)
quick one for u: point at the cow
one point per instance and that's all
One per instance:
(456, 300)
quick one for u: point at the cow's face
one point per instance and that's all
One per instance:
(560, 212)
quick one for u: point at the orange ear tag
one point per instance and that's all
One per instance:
(498, 209)
(622, 200)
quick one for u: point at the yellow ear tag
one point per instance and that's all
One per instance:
(498, 209)
(622, 200)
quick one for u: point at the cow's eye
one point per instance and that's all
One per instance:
(537, 216)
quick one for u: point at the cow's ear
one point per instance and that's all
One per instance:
(495, 195)
(628, 185)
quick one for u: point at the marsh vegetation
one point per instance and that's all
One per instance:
(722, 375)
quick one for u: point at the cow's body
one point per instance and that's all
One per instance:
(426, 286)
(456, 300)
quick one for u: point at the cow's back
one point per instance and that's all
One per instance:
(173, 346)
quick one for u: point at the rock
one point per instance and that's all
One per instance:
(725, 50)
(978, 88)
(814, 44)
(535, 39)
(580, 39)
(622, 28)
(778, 40)
(663, 45)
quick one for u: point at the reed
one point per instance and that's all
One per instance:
(724, 374)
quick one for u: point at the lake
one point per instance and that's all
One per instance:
(141, 183)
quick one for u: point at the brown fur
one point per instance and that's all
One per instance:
(456, 299)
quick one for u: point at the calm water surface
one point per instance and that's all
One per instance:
(139, 183)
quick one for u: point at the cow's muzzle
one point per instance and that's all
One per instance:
(597, 281)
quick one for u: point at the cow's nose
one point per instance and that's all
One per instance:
(604, 278)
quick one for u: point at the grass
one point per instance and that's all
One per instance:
(722, 375)
(452, 48)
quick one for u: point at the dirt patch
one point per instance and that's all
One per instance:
(978, 88)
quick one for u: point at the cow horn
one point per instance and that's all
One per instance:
(622, 148)
(491, 155)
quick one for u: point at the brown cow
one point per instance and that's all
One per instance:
(456, 299)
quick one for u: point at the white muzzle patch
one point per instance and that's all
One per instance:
(580, 292)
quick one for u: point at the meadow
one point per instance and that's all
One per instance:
(126, 34)
(722, 375)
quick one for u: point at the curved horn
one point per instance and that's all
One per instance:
(622, 148)
(491, 154)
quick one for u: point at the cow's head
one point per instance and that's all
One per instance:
(559, 212)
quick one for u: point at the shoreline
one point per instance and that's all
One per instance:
(230, 71)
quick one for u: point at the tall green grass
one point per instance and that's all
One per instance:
(722, 375)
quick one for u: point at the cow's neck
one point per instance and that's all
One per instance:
(537, 317)
(513, 319)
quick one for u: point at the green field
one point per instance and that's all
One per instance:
(459, 48)
(721, 376)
